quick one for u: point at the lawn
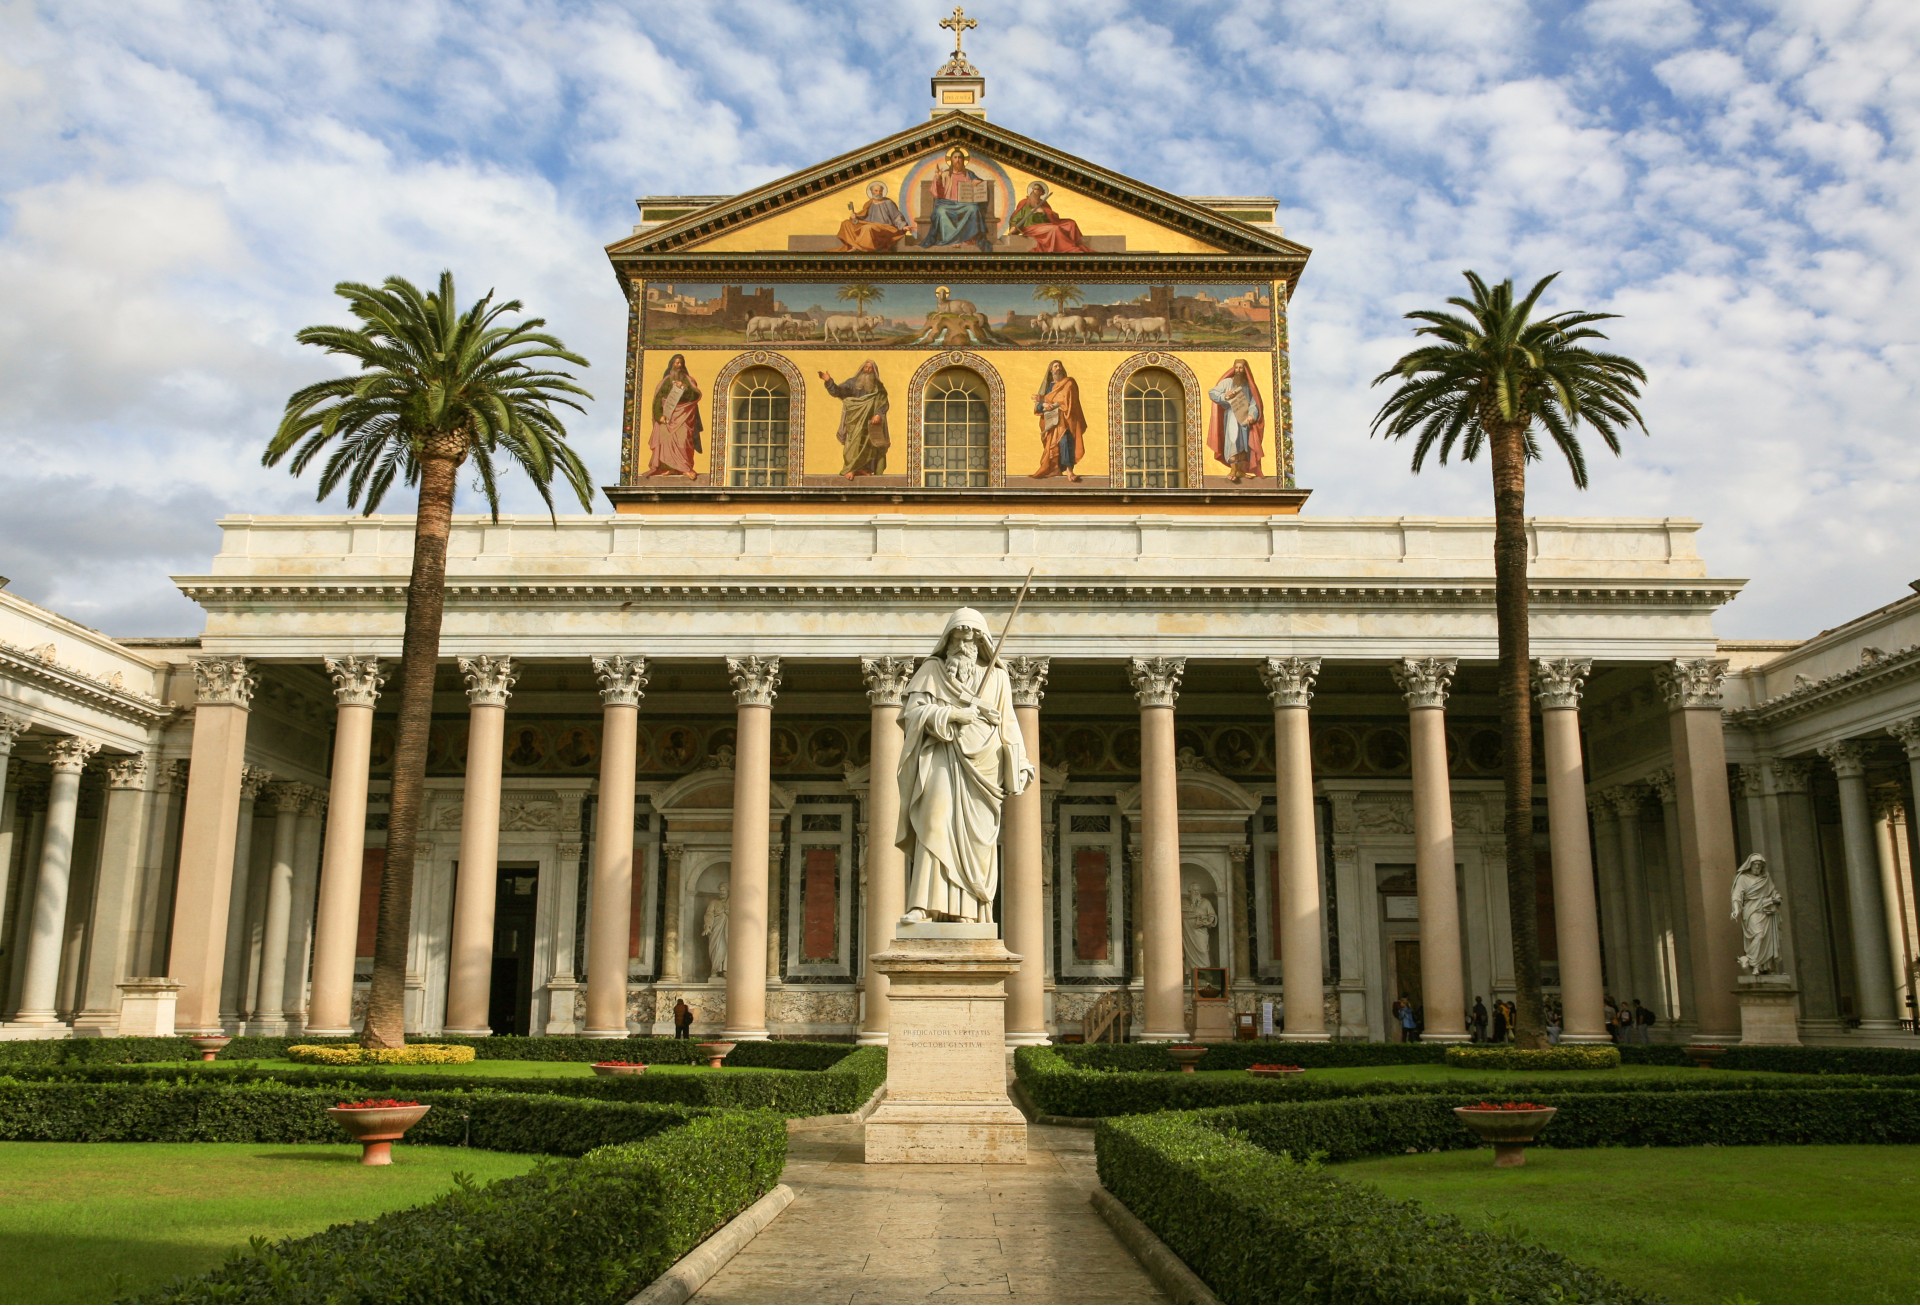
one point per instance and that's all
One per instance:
(488, 1069)
(1719, 1224)
(1438, 1077)
(82, 1222)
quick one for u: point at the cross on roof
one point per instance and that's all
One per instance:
(959, 24)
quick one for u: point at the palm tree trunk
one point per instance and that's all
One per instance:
(1516, 725)
(419, 659)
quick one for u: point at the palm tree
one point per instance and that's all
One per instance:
(435, 388)
(1059, 295)
(1491, 378)
(860, 294)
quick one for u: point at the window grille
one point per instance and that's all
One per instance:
(955, 435)
(758, 438)
(1150, 430)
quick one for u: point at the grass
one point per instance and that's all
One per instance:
(488, 1069)
(1718, 1224)
(1440, 1076)
(83, 1222)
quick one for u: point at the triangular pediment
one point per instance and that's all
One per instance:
(933, 204)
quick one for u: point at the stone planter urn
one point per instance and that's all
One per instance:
(1509, 1127)
(377, 1126)
(209, 1045)
(619, 1067)
(1275, 1072)
(1186, 1055)
(1705, 1054)
(715, 1053)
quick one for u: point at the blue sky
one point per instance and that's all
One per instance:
(180, 186)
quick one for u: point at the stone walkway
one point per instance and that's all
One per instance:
(931, 1233)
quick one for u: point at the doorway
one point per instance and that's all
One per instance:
(1404, 982)
(516, 900)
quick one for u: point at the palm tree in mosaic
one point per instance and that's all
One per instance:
(436, 387)
(1059, 295)
(860, 294)
(1493, 377)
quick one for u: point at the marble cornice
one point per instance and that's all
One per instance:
(215, 592)
(1879, 673)
(29, 666)
(1089, 268)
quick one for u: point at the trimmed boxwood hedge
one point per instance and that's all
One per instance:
(1821, 1061)
(843, 1087)
(1057, 1088)
(1260, 1227)
(1252, 1052)
(775, 1053)
(1502, 1056)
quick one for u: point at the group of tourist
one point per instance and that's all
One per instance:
(1629, 1024)
(1496, 1027)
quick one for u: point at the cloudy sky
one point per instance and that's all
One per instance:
(181, 184)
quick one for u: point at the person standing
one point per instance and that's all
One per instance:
(1499, 1021)
(1479, 1020)
(682, 1019)
(1407, 1021)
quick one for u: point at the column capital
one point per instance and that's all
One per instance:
(1029, 678)
(1847, 758)
(1791, 775)
(253, 781)
(356, 680)
(1156, 681)
(1557, 682)
(70, 754)
(1628, 799)
(490, 680)
(1289, 681)
(887, 678)
(127, 772)
(291, 796)
(1692, 682)
(623, 680)
(1663, 783)
(224, 682)
(1908, 733)
(11, 728)
(1890, 803)
(174, 774)
(756, 680)
(1749, 780)
(1425, 681)
(1602, 802)
(674, 854)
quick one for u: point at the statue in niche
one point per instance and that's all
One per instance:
(1197, 919)
(1756, 906)
(962, 755)
(715, 928)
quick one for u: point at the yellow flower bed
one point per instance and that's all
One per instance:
(414, 1054)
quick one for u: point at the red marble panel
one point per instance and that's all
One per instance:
(819, 905)
(1090, 920)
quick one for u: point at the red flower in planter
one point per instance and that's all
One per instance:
(372, 1103)
(1504, 1106)
(641, 1064)
(1273, 1067)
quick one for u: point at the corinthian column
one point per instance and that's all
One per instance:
(306, 884)
(1156, 684)
(1302, 940)
(42, 977)
(1576, 916)
(269, 1008)
(886, 679)
(1889, 832)
(208, 830)
(1025, 926)
(336, 923)
(1872, 961)
(122, 840)
(623, 681)
(476, 880)
(756, 680)
(1692, 690)
(244, 902)
(1424, 682)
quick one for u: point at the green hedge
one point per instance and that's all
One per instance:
(1567, 1056)
(842, 1088)
(773, 1054)
(1057, 1088)
(1821, 1061)
(1238, 1056)
(1260, 1227)
(1654, 1054)
(595, 1229)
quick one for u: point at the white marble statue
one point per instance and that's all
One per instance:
(1197, 918)
(715, 928)
(961, 757)
(1756, 906)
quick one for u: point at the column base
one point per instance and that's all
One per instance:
(38, 1020)
(485, 1031)
(1584, 1039)
(312, 1031)
(1447, 1038)
(97, 1024)
(605, 1033)
(871, 1038)
(745, 1036)
(1303, 1036)
(267, 1028)
(1878, 1027)
(1028, 1039)
(1163, 1036)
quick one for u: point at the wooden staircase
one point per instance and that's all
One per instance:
(1107, 1019)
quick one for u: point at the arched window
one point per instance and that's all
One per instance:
(757, 451)
(956, 439)
(1151, 426)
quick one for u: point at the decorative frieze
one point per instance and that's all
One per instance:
(356, 680)
(886, 678)
(127, 772)
(69, 755)
(1425, 681)
(1689, 683)
(1028, 676)
(490, 680)
(1847, 758)
(1156, 681)
(756, 680)
(1289, 681)
(1557, 681)
(623, 680)
(224, 681)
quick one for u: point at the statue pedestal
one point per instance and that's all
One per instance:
(1769, 1010)
(946, 1101)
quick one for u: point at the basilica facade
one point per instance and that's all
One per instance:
(946, 369)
